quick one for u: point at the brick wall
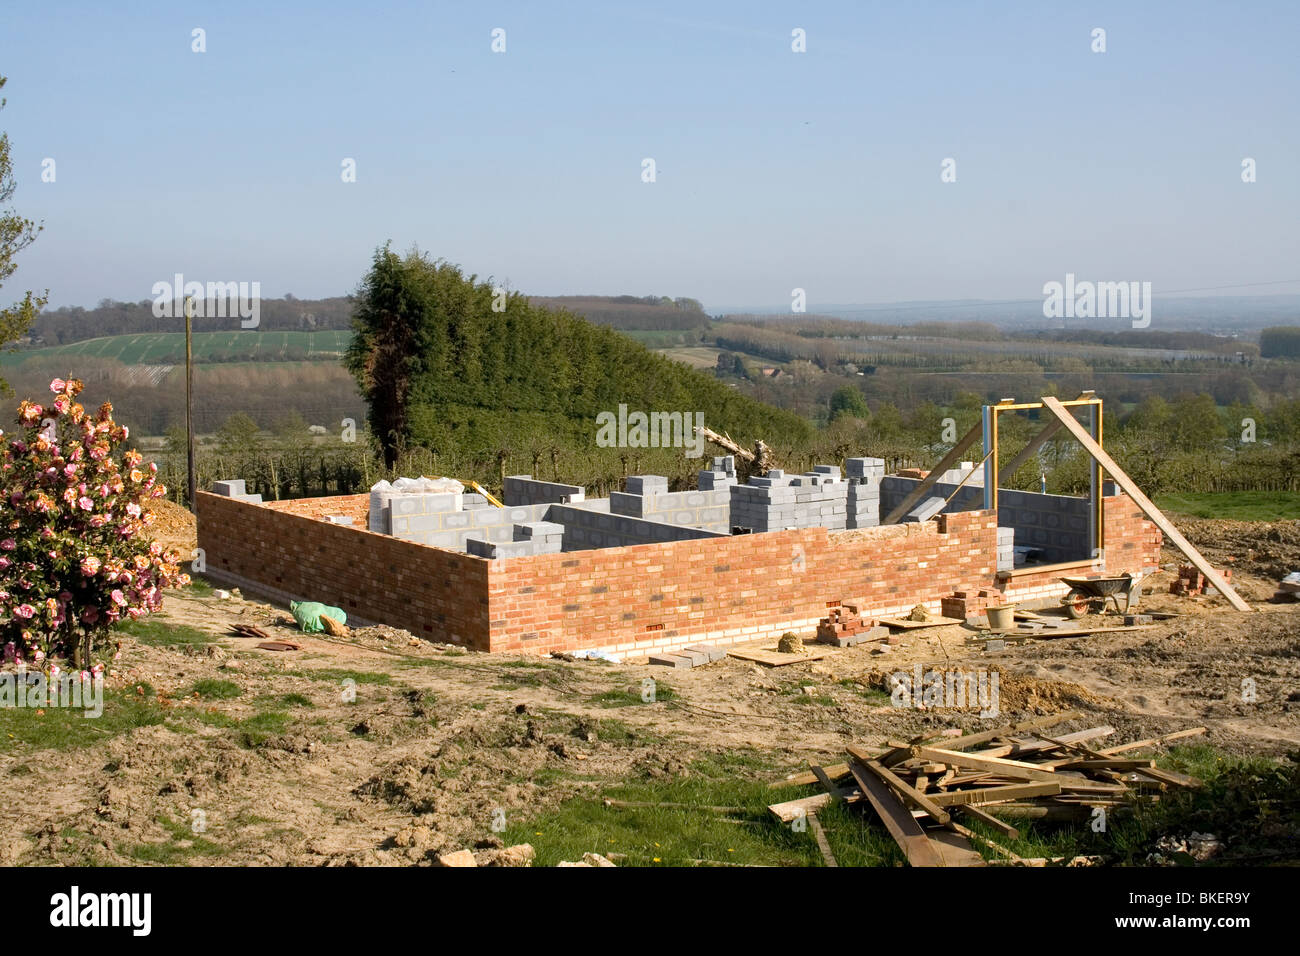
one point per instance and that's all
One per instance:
(281, 551)
(633, 599)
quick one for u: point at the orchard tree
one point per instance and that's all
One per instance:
(16, 234)
(75, 550)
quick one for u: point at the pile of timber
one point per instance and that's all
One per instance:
(920, 788)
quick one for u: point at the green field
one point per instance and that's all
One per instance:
(1234, 505)
(168, 348)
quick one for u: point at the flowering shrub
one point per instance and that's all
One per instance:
(75, 554)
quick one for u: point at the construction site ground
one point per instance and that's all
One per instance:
(380, 749)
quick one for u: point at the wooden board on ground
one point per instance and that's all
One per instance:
(774, 658)
(954, 848)
(904, 624)
(900, 823)
(1047, 633)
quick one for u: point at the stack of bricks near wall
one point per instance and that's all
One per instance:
(843, 626)
(971, 605)
(1191, 581)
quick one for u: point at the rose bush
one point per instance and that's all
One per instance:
(75, 553)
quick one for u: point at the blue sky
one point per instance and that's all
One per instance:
(775, 170)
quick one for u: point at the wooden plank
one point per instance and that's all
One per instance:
(771, 657)
(982, 795)
(807, 778)
(973, 761)
(1108, 763)
(954, 847)
(825, 780)
(1153, 741)
(975, 813)
(792, 810)
(1144, 503)
(930, 480)
(908, 793)
(823, 844)
(1171, 777)
(997, 848)
(1038, 723)
(902, 826)
(904, 624)
(1050, 633)
(1051, 743)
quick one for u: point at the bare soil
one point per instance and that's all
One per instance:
(437, 739)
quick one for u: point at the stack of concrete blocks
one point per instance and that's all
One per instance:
(525, 490)
(818, 498)
(469, 501)
(954, 476)
(592, 524)
(647, 496)
(720, 477)
(529, 538)
(547, 537)
(1006, 549)
(235, 488)
(863, 502)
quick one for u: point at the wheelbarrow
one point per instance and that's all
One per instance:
(1091, 594)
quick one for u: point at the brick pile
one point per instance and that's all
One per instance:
(972, 603)
(1191, 581)
(843, 626)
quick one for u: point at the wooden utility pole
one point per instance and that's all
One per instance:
(189, 397)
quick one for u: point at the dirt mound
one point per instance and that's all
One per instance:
(174, 527)
(1016, 692)
(1269, 549)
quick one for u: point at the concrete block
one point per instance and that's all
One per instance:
(671, 660)
(646, 485)
(925, 510)
(713, 653)
(538, 529)
(231, 488)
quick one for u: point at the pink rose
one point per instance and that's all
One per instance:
(8, 544)
(58, 385)
(86, 503)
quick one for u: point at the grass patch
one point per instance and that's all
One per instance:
(337, 676)
(181, 846)
(256, 729)
(200, 586)
(66, 728)
(631, 696)
(162, 634)
(211, 689)
(296, 700)
(1234, 505)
